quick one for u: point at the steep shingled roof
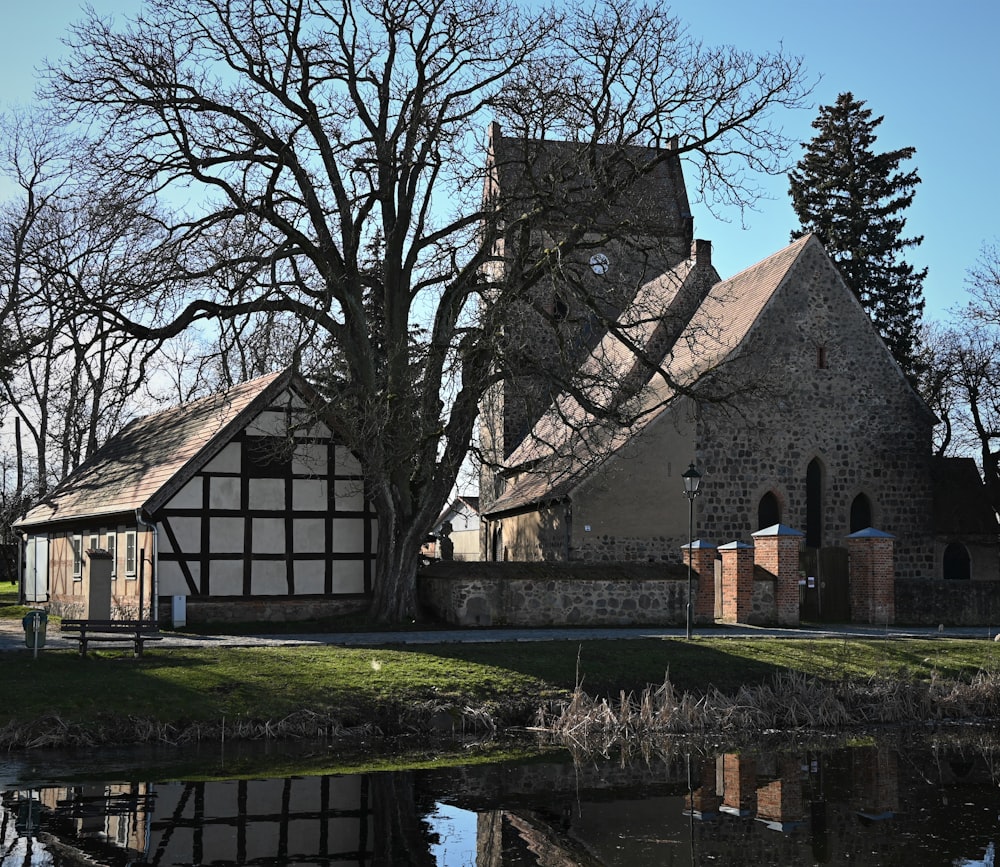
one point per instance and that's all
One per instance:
(136, 464)
(716, 329)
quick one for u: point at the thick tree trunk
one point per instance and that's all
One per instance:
(394, 597)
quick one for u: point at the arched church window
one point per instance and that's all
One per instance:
(768, 511)
(861, 513)
(814, 504)
(957, 563)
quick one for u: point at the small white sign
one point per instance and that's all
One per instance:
(586, 528)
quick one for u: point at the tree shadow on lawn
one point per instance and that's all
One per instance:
(605, 667)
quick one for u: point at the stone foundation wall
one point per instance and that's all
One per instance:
(555, 602)
(262, 609)
(594, 548)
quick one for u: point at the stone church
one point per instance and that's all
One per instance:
(773, 383)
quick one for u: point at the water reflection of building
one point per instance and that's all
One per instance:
(847, 806)
(280, 821)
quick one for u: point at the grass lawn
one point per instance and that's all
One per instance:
(357, 685)
(9, 609)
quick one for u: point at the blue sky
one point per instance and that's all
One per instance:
(933, 71)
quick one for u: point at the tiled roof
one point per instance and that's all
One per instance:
(613, 364)
(561, 450)
(133, 466)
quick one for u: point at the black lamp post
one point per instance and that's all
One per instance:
(692, 480)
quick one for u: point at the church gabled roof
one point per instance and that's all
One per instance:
(148, 457)
(555, 458)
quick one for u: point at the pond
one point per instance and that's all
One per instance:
(884, 800)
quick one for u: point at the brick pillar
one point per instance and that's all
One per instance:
(875, 777)
(873, 576)
(776, 550)
(738, 776)
(704, 801)
(737, 582)
(780, 802)
(703, 556)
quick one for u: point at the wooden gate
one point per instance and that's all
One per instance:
(826, 597)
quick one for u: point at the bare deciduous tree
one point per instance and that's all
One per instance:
(74, 380)
(335, 147)
(962, 384)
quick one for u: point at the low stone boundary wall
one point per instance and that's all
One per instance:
(925, 602)
(526, 601)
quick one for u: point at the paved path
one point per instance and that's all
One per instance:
(12, 636)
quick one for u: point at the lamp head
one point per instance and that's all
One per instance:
(692, 479)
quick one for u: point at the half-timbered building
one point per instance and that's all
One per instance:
(239, 506)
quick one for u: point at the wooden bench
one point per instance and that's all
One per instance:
(88, 632)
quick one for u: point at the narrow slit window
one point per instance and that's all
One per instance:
(110, 545)
(130, 554)
(76, 540)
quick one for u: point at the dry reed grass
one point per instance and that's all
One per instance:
(792, 701)
(53, 731)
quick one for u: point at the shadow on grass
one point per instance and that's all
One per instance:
(605, 667)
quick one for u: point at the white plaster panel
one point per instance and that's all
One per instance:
(347, 464)
(188, 497)
(268, 535)
(308, 536)
(348, 535)
(268, 424)
(374, 535)
(309, 459)
(268, 578)
(226, 535)
(224, 492)
(163, 540)
(188, 533)
(309, 495)
(226, 461)
(267, 494)
(348, 576)
(349, 494)
(170, 578)
(309, 576)
(226, 578)
(315, 430)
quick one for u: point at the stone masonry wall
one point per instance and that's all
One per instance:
(555, 602)
(830, 393)
(953, 603)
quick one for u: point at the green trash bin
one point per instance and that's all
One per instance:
(35, 623)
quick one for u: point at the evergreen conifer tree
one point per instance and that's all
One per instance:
(854, 200)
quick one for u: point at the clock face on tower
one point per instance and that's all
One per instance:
(599, 263)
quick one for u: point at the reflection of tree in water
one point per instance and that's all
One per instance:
(401, 835)
(509, 839)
